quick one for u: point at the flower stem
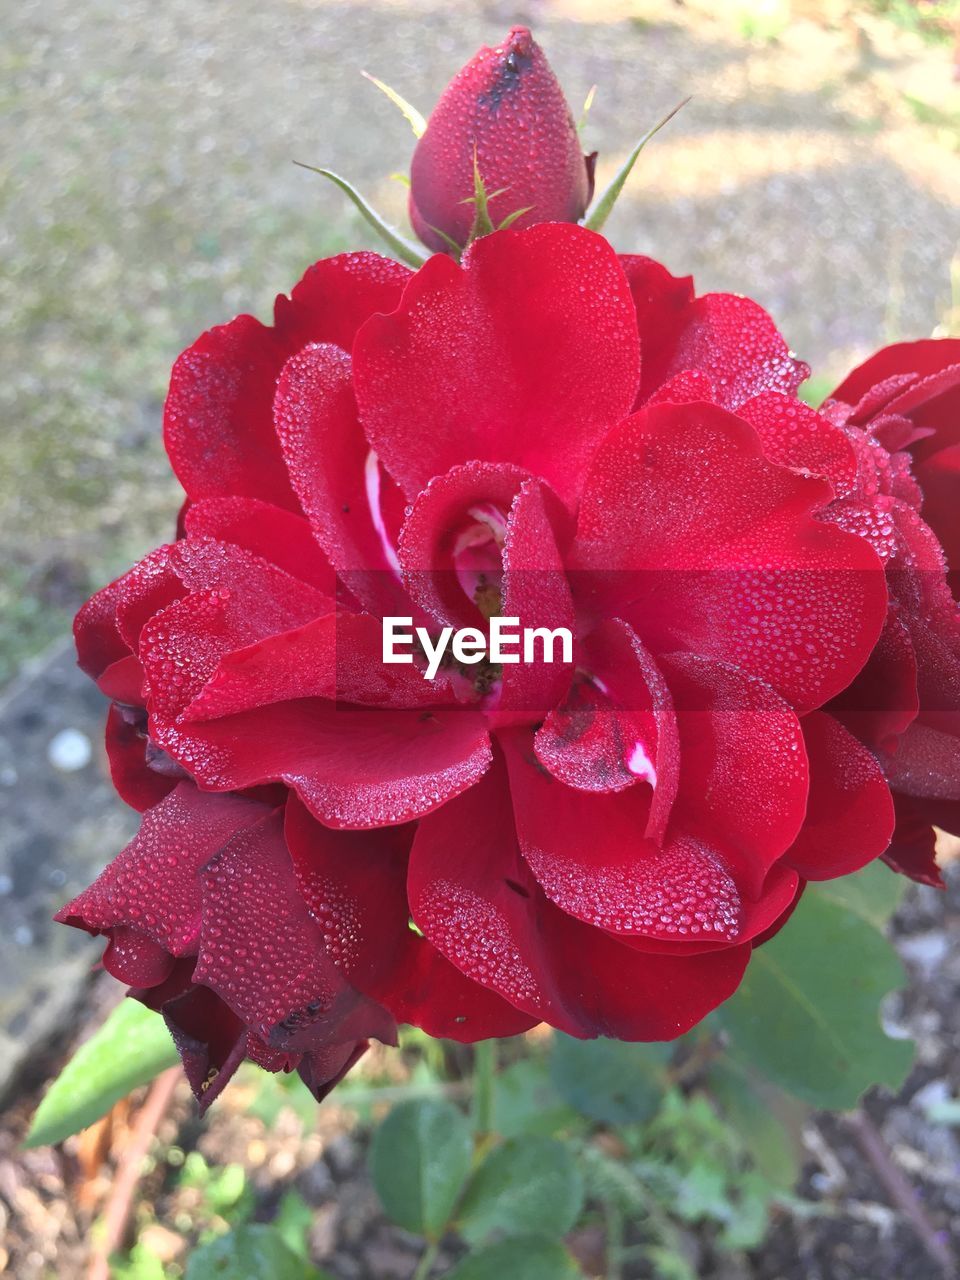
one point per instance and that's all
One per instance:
(427, 1259)
(484, 1073)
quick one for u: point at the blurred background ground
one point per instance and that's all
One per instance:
(148, 192)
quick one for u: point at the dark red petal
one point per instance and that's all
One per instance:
(850, 816)
(131, 957)
(323, 1069)
(617, 726)
(217, 421)
(939, 477)
(264, 955)
(588, 852)
(152, 886)
(796, 436)
(211, 1040)
(705, 546)
(335, 296)
(902, 361)
(475, 365)
(687, 387)
(506, 112)
(277, 536)
(882, 700)
(757, 918)
(353, 767)
(354, 884)
(338, 657)
(218, 418)
(127, 746)
(98, 640)
(743, 769)
(236, 600)
(434, 523)
(476, 900)
(925, 763)
(536, 591)
(123, 681)
(151, 585)
(913, 848)
(734, 342)
(336, 477)
(662, 303)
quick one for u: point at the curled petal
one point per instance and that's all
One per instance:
(264, 955)
(850, 815)
(454, 375)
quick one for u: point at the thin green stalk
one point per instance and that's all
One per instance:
(614, 1249)
(484, 1074)
(427, 1259)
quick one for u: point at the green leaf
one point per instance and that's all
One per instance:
(293, 1221)
(528, 1184)
(249, 1253)
(766, 1121)
(873, 893)
(520, 1258)
(403, 248)
(604, 205)
(806, 1014)
(419, 1162)
(131, 1047)
(525, 1102)
(609, 1081)
(416, 121)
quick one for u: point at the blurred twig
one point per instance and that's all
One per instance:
(129, 1168)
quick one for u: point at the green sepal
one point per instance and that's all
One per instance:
(403, 248)
(413, 117)
(604, 205)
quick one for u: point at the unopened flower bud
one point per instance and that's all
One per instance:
(504, 116)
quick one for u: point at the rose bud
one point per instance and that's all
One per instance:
(506, 109)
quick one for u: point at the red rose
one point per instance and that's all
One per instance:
(550, 433)
(901, 408)
(505, 110)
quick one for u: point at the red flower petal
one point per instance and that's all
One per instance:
(471, 495)
(354, 884)
(535, 590)
(211, 1040)
(485, 912)
(850, 816)
(277, 536)
(798, 437)
(662, 303)
(743, 769)
(617, 726)
(336, 477)
(705, 546)
(152, 887)
(455, 374)
(218, 418)
(336, 296)
(338, 656)
(620, 882)
(264, 955)
(353, 767)
(734, 342)
(127, 746)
